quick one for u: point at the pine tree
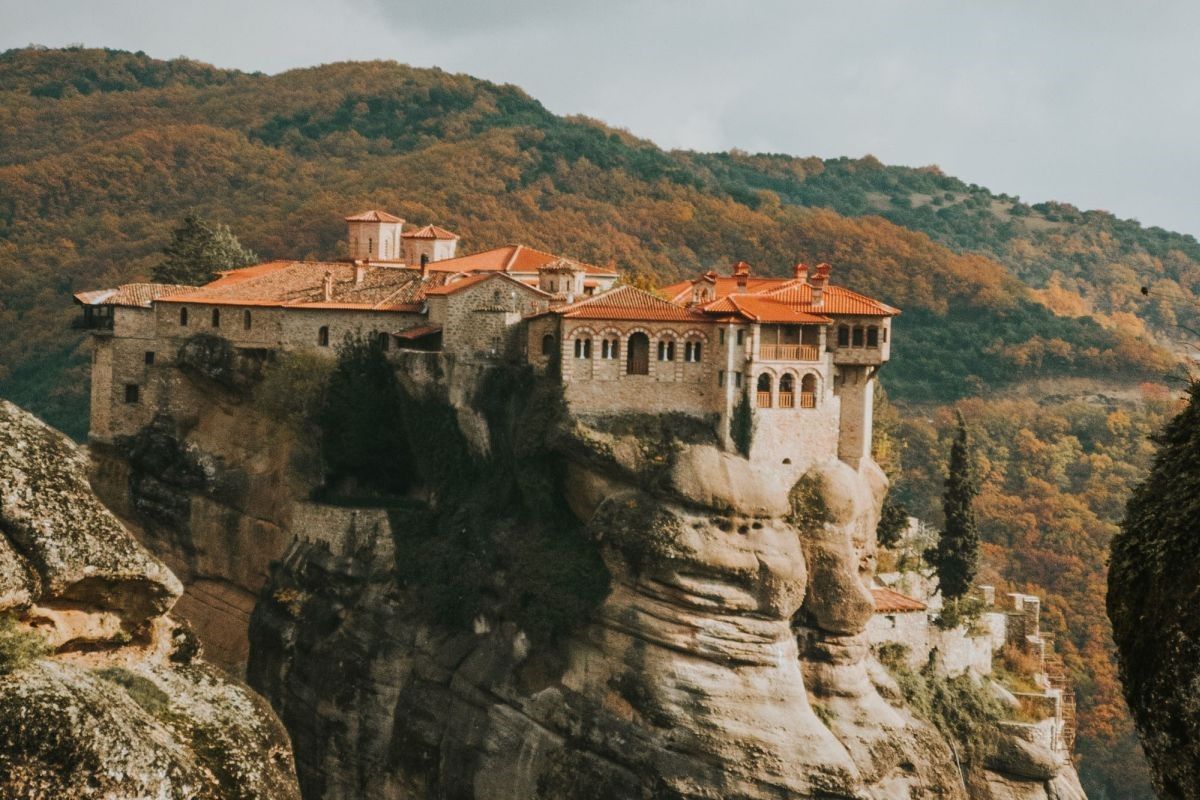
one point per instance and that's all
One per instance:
(956, 557)
(198, 251)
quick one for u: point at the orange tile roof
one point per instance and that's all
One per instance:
(374, 216)
(134, 295)
(510, 258)
(889, 601)
(682, 292)
(429, 232)
(789, 291)
(627, 303)
(453, 286)
(419, 331)
(764, 309)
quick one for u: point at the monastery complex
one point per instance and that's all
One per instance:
(800, 351)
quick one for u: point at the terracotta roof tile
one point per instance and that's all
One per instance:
(136, 295)
(763, 309)
(627, 303)
(429, 232)
(374, 216)
(510, 258)
(453, 285)
(889, 601)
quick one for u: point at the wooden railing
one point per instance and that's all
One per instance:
(787, 400)
(789, 352)
(764, 399)
(808, 399)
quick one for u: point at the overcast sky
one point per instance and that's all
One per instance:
(1095, 103)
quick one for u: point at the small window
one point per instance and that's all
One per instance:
(857, 339)
(216, 317)
(424, 260)
(843, 336)
(885, 330)
(385, 341)
(548, 344)
(737, 379)
(183, 316)
(246, 321)
(370, 245)
(721, 336)
(149, 356)
(691, 351)
(740, 336)
(666, 351)
(131, 393)
(323, 336)
(872, 336)
(721, 377)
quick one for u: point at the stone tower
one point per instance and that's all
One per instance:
(375, 236)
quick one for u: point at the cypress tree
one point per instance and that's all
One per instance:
(956, 557)
(198, 251)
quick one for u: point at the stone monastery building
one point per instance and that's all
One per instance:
(801, 352)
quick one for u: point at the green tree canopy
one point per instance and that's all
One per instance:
(956, 557)
(198, 251)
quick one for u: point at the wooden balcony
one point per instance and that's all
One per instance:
(808, 399)
(787, 400)
(789, 352)
(764, 399)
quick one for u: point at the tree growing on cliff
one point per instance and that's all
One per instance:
(198, 251)
(956, 557)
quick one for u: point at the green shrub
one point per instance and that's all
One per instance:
(143, 691)
(964, 611)
(19, 646)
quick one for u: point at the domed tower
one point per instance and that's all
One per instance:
(375, 236)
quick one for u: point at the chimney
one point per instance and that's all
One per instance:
(360, 272)
(327, 289)
(800, 272)
(818, 284)
(741, 271)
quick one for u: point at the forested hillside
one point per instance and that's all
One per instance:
(102, 152)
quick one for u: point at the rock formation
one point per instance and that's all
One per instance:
(1153, 594)
(725, 656)
(101, 693)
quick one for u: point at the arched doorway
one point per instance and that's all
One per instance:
(638, 354)
(764, 391)
(808, 391)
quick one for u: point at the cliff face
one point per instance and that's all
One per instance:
(719, 650)
(1153, 594)
(101, 693)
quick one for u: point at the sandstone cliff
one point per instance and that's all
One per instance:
(101, 693)
(596, 608)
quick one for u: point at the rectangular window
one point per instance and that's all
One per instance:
(737, 379)
(149, 356)
(721, 336)
(843, 336)
(131, 393)
(740, 336)
(721, 377)
(885, 330)
(872, 337)
(858, 337)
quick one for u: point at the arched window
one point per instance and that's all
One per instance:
(323, 336)
(787, 390)
(872, 336)
(843, 336)
(385, 341)
(610, 347)
(370, 245)
(639, 354)
(764, 391)
(183, 316)
(808, 391)
(691, 351)
(666, 349)
(246, 323)
(216, 317)
(857, 340)
(583, 347)
(385, 248)
(548, 345)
